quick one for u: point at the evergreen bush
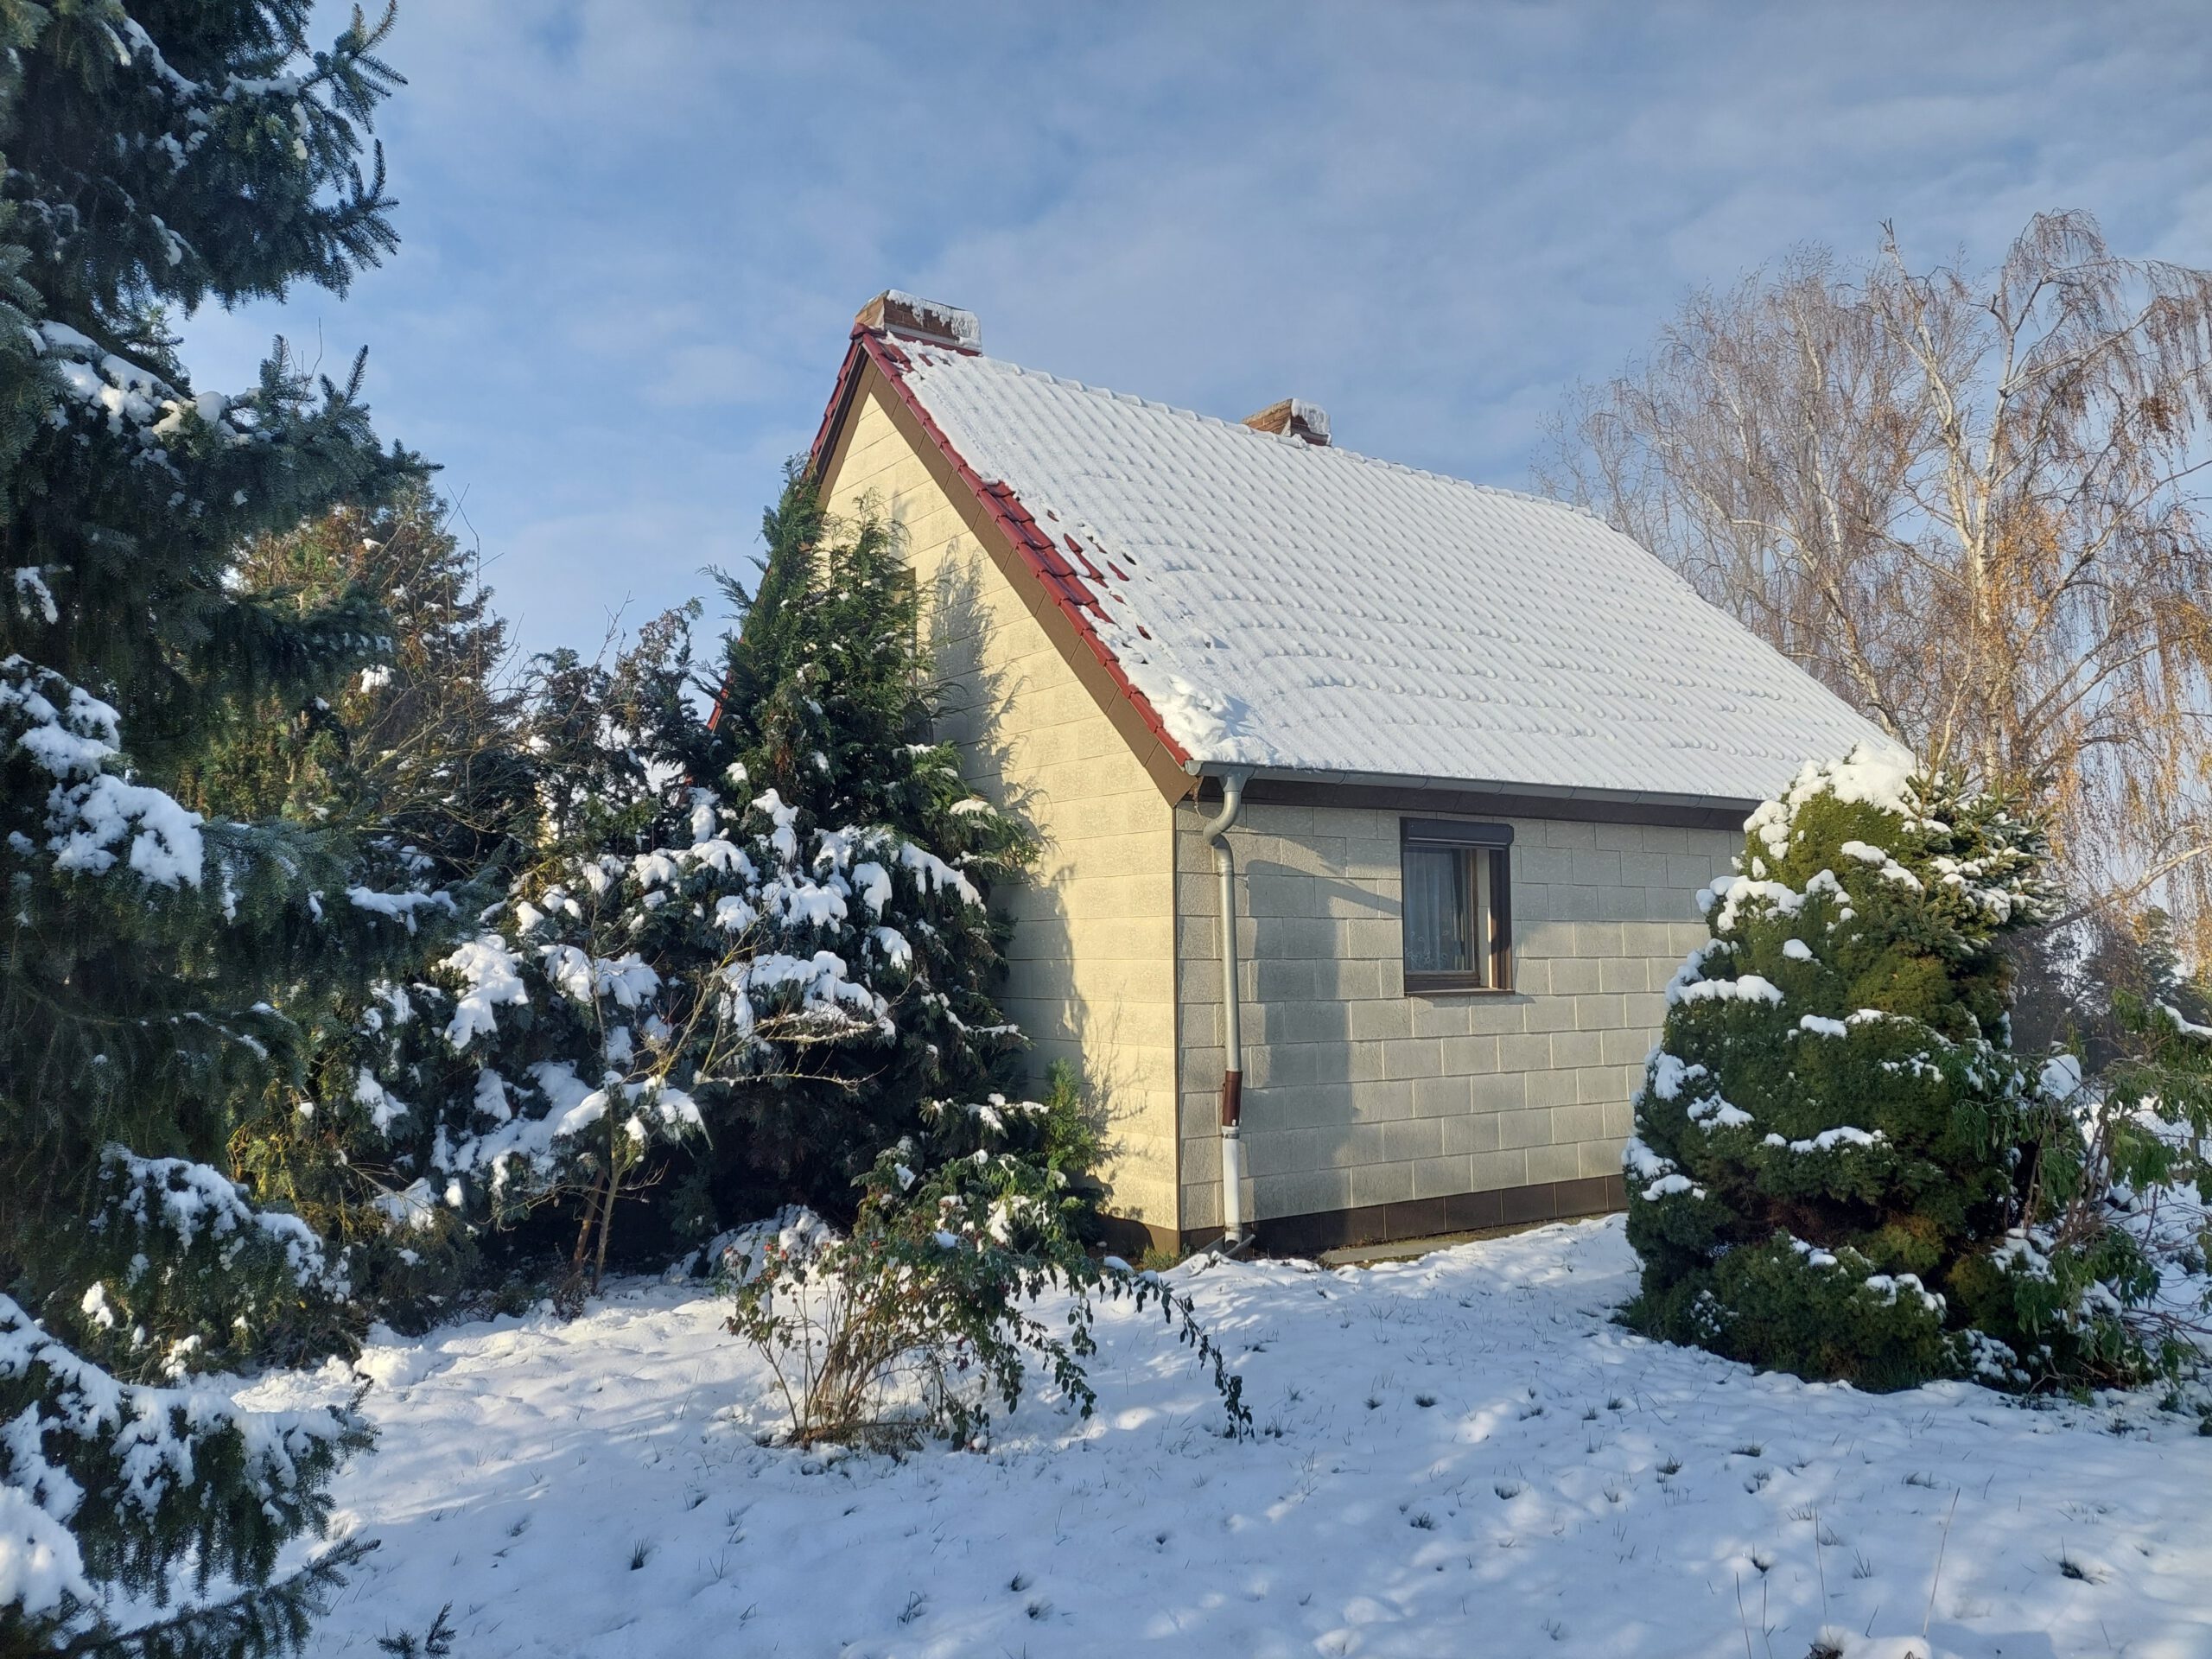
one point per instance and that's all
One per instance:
(1841, 1167)
(422, 754)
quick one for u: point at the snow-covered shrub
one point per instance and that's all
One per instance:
(2117, 1222)
(617, 1008)
(828, 698)
(1835, 1148)
(922, 1318)
(742, 955)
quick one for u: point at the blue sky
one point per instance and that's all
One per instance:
(634, 232)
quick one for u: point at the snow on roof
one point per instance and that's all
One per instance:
(1309, 609)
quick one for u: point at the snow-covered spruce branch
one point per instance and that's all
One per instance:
(274, 1618)
(165, 1228)
(94, 818)
(103, 1482)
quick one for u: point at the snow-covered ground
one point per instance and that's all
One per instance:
(1458, 1455)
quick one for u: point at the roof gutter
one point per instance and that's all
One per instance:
(1232, 1032)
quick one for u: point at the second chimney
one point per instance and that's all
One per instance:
(1296, 416)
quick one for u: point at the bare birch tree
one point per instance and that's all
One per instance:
(1969, 505)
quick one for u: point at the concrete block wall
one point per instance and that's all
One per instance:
(1091, 964)
(1356, 1094)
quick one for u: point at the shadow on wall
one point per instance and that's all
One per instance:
(971, 702)
(1302, 1054)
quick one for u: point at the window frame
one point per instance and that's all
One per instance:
(1489, 850)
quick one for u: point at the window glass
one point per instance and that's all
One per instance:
(1455, 918)
(1437, 910)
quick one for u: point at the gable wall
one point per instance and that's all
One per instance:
(1092, 962)
(1357, 1095)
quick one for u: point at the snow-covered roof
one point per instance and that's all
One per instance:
(1300, 608)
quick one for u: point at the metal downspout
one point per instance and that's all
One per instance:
(1232, 1076)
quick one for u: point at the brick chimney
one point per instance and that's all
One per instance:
(1296, 416)
(898, 313)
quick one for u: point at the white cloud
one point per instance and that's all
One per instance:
(633, 237)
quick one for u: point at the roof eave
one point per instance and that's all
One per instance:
(1564, 793)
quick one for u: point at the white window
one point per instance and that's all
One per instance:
(1458, 915)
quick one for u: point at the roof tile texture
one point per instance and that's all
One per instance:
(1284, 604)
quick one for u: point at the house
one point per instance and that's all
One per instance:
(1454, 761)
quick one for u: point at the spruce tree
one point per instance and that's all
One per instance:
(827, 698)
(159, 966)
(1841, 1166)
